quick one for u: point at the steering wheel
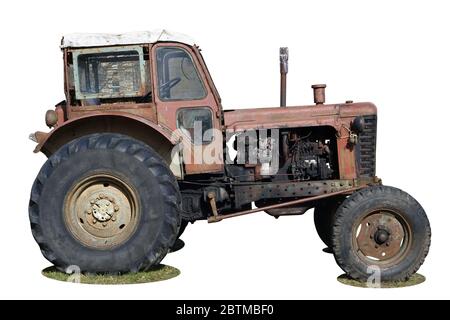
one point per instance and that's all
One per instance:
(165, 87)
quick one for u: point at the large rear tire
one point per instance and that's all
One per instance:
(381, 232)
(105, 203)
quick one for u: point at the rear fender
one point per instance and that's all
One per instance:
(161, 139)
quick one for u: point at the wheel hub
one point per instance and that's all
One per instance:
(101, 211)
(380, 236)
(103, 208)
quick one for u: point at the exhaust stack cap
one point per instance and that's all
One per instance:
(319, 93)
(284, 57)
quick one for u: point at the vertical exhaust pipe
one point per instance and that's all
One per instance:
(284, 56)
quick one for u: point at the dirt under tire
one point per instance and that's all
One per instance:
(105, 203)
(381, 231)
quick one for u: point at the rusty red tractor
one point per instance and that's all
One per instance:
(141, 147)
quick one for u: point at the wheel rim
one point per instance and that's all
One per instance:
(382, 237)
(101, 211)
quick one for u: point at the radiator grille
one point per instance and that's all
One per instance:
(366, 148)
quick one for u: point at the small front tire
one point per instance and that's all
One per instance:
(383, 231)
(324, 215)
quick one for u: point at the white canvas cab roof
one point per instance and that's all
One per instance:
(82, 40)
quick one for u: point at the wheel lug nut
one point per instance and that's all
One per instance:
(92, 201)
(376, 247)
(107, 204)
(113, 219)
(104, 224)
(101, 195)
(94, 221)
(88, 211)
(116, 208)
(387, 244)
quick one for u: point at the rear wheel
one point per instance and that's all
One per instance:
(102, 211)
(381, 230)
(179, 244)
(105, 203)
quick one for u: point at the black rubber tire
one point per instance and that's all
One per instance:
(184, 224)
(179, 244)
(141, 168)
(324, 215)
(358, 205)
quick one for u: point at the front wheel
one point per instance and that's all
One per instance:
(184, 224)
(324, 216)
(381, 231)
(105, 203)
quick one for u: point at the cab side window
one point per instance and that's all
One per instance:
(195, 122)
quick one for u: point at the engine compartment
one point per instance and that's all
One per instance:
(310, 157)
(297, 154)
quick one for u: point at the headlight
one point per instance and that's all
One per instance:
(51, 118)
(358, 125)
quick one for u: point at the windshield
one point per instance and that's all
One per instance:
(116, 72)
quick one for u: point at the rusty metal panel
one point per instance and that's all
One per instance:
(290, 189)
(77, 124)
(145, 110)
(167, 114)
(346, 159)
(297, 116)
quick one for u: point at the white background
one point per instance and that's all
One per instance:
(394, 53)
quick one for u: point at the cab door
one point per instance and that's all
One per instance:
(186, 104)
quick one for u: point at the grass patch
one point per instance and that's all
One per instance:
(414, 280)
(157, 273)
